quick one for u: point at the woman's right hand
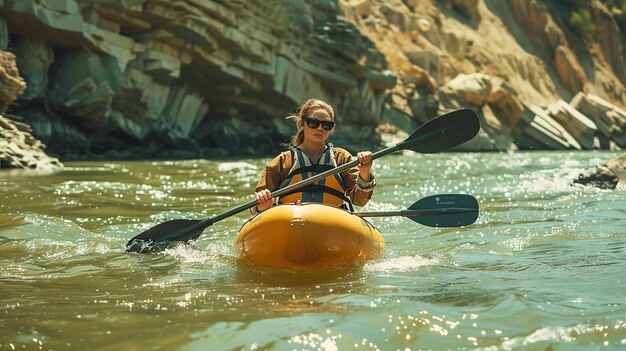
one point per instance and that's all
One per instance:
(264, 197)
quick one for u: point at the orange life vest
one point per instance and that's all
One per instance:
(330, 190)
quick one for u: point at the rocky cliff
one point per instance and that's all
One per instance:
(203, 78)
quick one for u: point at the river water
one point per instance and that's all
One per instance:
(542, 268)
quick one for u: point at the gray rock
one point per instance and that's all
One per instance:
(611, 175)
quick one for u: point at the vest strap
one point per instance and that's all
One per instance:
(316, 169)
(318, 188)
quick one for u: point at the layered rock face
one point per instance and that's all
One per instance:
(156, 78)
(533, 83)
(198, 78)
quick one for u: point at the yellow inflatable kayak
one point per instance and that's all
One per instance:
(308, 235)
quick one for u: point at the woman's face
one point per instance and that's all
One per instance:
(319, 134)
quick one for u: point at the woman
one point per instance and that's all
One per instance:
(310, 155)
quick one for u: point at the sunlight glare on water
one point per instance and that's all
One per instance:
(542, 268)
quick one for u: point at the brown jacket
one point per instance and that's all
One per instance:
(358, 190)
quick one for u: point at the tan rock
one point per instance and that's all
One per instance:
(538, 131)
(362, 7)
(420, 77)
(507, 105)
(578, 125)
(474, 88)
(19, 149)
(610, 119)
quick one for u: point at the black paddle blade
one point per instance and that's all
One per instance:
(443, 133)
(444, 210)
(158, 237)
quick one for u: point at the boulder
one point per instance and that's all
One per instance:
(419, 77)
(606, 176)
(503, 100)
(538, 131)
(578, 125)
(610, 119)
(474, 88)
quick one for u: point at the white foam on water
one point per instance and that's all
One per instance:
(555, 334)
(190, 254)
(316, 341)
(401, 264)
(240, 165)
(518, 243)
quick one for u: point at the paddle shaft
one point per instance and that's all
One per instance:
(412, 213)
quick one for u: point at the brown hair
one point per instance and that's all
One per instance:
(302, 112)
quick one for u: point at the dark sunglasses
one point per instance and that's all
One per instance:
(313, 123)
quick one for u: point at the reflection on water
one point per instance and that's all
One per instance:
(542, 268)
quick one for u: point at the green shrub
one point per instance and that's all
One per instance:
(580, 22)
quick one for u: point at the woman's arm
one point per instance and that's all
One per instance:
(270, 179)
(359, 190)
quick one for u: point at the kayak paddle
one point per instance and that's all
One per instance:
(444, 210)
(439, 134)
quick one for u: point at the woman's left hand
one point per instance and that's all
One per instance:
(365, 164)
